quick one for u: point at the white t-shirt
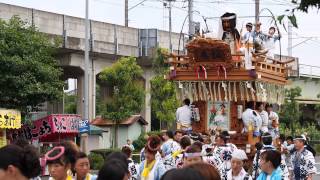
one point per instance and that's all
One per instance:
(183, 115)
(251, 116)
(265, 120)
(268, 177)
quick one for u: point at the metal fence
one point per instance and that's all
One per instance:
(309, 71)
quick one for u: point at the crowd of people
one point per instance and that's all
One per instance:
(166, 157)
(180, 154)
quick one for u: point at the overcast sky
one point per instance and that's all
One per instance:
(152, 14)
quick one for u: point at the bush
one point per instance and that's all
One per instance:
(310, 129)
(317, 148)
(141, 141)
(96, 161)
(104, 152)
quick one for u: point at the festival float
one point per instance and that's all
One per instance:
(214, 74)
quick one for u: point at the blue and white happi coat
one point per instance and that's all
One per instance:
(168, 148)
(256, 168)
(303, 164)
(225, 154)
(133, 169)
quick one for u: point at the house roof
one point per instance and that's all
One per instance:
(99, 121)
(95, 130)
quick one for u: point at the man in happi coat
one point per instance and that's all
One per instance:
(168, 148)
(302, 160)
(224, 150)
(237, 171)
(267, 146)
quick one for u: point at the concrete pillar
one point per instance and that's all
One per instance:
(147, 110)
(92, 91)
(80, 81)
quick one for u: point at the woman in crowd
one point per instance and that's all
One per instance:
(151, 168)
(18, 163)
(59, 161)
(82, 168)
(132, 166)
(269, 163)
(237, 171)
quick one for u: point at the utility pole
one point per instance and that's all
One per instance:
(289, 39)
(126, 10)
(257, 10)
(190, 14)
(84, 136)
(170, 26)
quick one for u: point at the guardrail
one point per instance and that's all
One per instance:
(309, 71)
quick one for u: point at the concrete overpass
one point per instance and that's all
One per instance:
(108, 42)
(308, 79)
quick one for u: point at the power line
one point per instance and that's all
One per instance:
(243, 3)
(137, 5)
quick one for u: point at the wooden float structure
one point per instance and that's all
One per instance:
(210, 76)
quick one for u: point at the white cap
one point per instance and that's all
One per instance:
(239, 154)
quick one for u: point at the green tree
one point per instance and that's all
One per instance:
(300, 5)
(163, 92)
(70, 103)
(128, 92)
(290, 109)
(29, 73)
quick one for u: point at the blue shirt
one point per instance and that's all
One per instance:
(276, 175)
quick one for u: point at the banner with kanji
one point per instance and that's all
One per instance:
(49, 126)
(10, 119)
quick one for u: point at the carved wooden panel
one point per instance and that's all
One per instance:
(235, 123)
(201, 126)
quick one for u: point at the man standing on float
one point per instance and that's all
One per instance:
(247, 40)
(183, 117)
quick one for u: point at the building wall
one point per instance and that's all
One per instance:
(105, 141)
(122, 135)
(93, 142)
(134, 131)
(310, 89)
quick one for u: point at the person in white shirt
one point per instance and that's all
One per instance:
(270, 41)
(264, 116)
(237, 171)
(248, 48)
(273, 125)
(129, 143)
(251, 117)
(183, 117)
